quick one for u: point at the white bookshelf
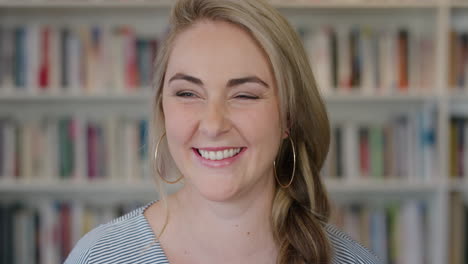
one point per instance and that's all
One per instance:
(278, 3)
(148, 17)
(17, 99)
(145, 189)
(97, 191)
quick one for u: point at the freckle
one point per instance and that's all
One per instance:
(248, 233)
(237, 225)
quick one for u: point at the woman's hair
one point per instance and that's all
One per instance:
(301, 211)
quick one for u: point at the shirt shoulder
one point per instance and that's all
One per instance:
(127, 239)
(347, 251)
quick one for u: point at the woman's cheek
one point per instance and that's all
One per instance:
(181, 120)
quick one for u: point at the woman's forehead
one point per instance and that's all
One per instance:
(217, 49)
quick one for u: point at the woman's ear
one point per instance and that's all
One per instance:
(287, 128)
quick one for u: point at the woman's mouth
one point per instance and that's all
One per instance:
(218, 157)
(219, 154)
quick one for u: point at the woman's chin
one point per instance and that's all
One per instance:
(217, 192)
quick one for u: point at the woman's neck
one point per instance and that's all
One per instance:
(227, 230)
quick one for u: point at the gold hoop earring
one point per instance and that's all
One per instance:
(294, 167)
(157, 167)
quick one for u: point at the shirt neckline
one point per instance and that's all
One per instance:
(150, 230)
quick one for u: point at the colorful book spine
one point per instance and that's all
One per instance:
(45, 231)
(394, 231)
(404, 147)
(78, 59)
(371, 60)
(74, 148)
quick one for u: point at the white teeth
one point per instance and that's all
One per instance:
(212, 155)
(219, 155)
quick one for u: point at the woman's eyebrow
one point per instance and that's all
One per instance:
(181, 76)
(239, 81)
(231, 82)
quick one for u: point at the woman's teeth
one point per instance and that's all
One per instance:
(219, 155)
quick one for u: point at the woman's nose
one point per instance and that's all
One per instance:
(214, 120)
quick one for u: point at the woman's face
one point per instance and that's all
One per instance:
(221, 111)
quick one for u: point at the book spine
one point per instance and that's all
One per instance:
(55, 58)
(19, 58)
(7, 56)
(402, 67)
(65, 54)
(31, 57)
(44, 66)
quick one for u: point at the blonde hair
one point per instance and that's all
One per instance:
(301, 211)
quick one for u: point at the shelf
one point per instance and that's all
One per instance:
(167, 3)
(459, 185)
(458, 103)
(68, 98)
(378, 99)
(458, 97)
(99, 190)
(85, 3)
(113, 190)
(379, 187)
(134, 105)
(144, 96)
(346, 4)
(459, 4)
(340, 106)
(373, 107)
(381, 191)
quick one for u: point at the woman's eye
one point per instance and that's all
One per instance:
(246, 96)
(185, 94)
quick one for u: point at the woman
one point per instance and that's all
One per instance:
(238, 117)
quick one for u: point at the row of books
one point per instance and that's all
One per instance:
(396, 232)
(80, 59)
(112, 148)
(458, 147)
(46, 231)
(83, 59)
(371, 60)
(458, 73)
(78, 147)
(404, 147)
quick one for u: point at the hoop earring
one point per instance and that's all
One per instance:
(294, 167)
(157, 167)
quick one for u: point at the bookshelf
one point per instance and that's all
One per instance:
(374, 100)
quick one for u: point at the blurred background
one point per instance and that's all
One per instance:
(75, 100)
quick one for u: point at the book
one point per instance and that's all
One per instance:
(371, 60)
(393, 230)
(78, 59)
(45, 231)
(75, 148)
(401, 147)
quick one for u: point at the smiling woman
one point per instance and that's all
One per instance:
(238, 118)
(221, 100)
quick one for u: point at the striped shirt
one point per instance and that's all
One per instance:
(130, 239)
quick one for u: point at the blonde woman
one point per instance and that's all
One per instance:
(238, 119)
